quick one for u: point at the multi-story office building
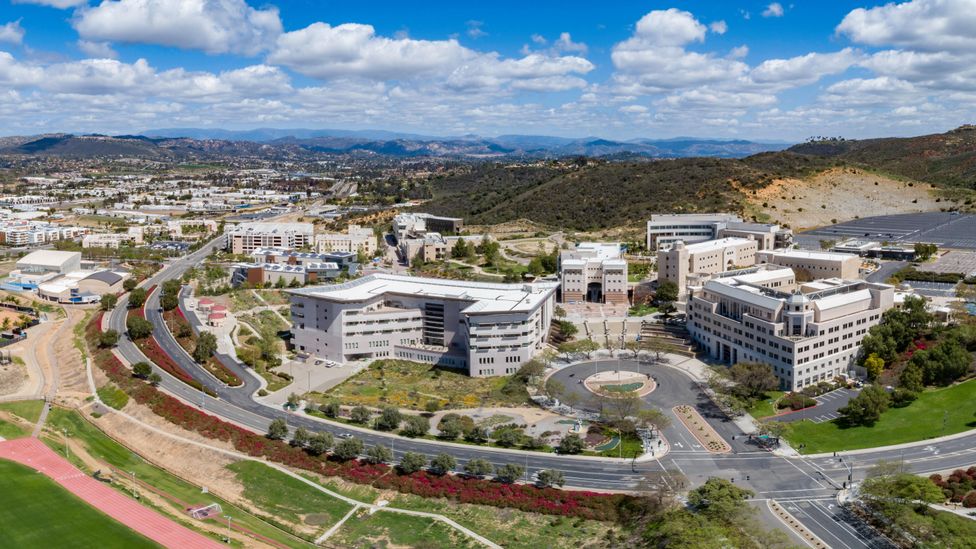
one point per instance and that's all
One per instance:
(664, 230)
(811, 265)
(416, 225)
(807, 334)
(247, 237)
(290, 257)
(355, 238)
(483, 329)
(432, 247)
(682, 261)
(593, 272)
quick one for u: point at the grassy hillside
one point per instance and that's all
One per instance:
(599, 195)
(945, 159)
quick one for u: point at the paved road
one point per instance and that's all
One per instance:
(768, 475)
(887, 269)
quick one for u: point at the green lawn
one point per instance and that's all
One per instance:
(113, 396)
(921, 420)
(36, 512)
(27, 409)
(412, 385)
(283, 496)
(107, 450)
(389, 529)
(10, 431)
(765, 407)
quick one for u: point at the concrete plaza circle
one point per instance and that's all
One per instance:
(597, 383)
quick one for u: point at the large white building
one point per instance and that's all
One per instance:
(594, 272)
(483, 329)
(813, 265)
(247, 237)
(355, 238)
(681, 261)
(664, 230)
(416, 225)
(807, 333)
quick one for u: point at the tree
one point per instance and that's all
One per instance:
(349, 448)
(719, 498)
(924, 252)
(278, 429)
(478, 467)
(460, 249)
(415, 426)
(141, 369)
(129, 284)
(155, 379)
(508, 438)
(108, 338)
(904, 486)
(379, 454)
(653, 419)
(293, 401)
(330, 409)
(449, 427)
(137, 298)
(509, 473)
(442, 464)
(477, 434)
(874, 365)
(389, 419)
(773, 428)
(551, 477)
(359, 414)
(555, 388)
(571, 444)
(867, 407)
(320, 443)
(108, 302)
(301, 438)
(912, 379)
(667, 292)
(752, 380)
(168, 301)
(620, 408)
(205, 348)
(411, 462)
(138, 327)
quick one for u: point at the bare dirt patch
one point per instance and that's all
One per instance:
(12, 378)
(838, 195)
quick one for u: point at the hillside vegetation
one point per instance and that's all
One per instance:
(598, 195)
(944, 159)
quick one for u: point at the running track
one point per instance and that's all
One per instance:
(33, 453)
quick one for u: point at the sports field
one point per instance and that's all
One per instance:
(36, 512)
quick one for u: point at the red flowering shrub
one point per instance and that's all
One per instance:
(970, 499)
(589, 505)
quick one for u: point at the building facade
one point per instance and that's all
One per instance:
(355, 238)
(593, 272)
(807, 334)
(813, 265)
(681, 261)
(664, 230)
(483, 329)
(416, 225)
(247, 237)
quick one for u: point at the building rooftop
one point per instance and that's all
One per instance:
(49, 258)
(272, 228)
(484, 297)
(664, 218)
(808, 254)
(600, 250)
(710, 245)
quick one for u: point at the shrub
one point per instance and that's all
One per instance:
(349, 448)
(359, 414)
(796, 401)
(415, 426)
(970, 499)
(570, 444)
(411, 462)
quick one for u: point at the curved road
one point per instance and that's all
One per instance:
(803, 485)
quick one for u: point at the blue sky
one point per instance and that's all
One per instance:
(615, 69)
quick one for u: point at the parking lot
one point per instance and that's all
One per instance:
(946, 229)
(933, 289)
(826, 408)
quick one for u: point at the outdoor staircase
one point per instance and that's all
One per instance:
(671, 338)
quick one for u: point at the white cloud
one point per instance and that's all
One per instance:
(803, 69)
(214, 26)
(927, 25)
(60, 4)
(474, 29)
(634, 109)
(97, 49)
(539, 39)
(718, 27)
(738, 52)
(717, 99)
(773, 10)
(565, 44)
(12, 32)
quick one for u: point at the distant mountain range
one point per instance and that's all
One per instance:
(177, 143)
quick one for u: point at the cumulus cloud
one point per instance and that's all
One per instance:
(718, 27)
(474, 29)
(12, 32)
(803, 69)
(927, 25)
(97, 49)
(214, 26)
(60, 4)
(773, 10)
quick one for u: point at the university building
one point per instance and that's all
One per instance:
(247, 237)
(807, 332)
(684, 264)
(814, 265)
(484, 329)
(663, 231)
(593, 272)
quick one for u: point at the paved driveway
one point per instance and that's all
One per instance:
(826, 408)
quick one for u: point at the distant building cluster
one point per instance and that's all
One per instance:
(425, 237)
(59, 277)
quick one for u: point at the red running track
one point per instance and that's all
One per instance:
(33, 453)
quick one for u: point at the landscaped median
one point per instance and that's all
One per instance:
(150, 347)
(589, 505)
(180, 328)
